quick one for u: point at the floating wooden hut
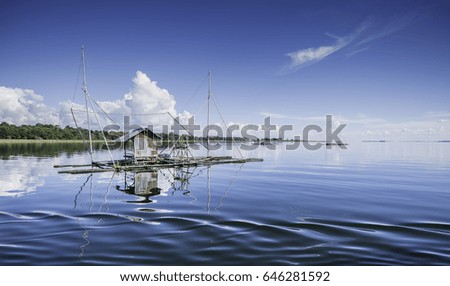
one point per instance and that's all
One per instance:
(144, 145)
(143, 155)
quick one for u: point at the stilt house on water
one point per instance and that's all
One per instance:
(144, 155)
(144, 145)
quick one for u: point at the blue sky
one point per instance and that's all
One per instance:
(382, 67)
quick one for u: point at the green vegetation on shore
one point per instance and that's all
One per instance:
(40, 133)
(50, 132)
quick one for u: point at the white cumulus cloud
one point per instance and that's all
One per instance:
(147, 97)
(23, 106)
(146, 104)
(149, 102)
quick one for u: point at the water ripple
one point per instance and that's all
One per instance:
(368, 207)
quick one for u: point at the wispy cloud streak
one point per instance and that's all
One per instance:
(306, 57)
(367, 32)
(392, 26)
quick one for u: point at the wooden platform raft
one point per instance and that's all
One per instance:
(131, 165)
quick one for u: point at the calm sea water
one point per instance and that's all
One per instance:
(373, 204)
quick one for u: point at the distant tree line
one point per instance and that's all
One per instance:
(50, 132)
(55, 132)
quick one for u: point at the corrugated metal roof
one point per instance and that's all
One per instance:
(133, 133)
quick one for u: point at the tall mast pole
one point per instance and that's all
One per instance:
(86, 96)
(207, 122)
(207, 140)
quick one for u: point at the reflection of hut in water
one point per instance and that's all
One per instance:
(141, 184)
(146, 183)
(144, 144)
